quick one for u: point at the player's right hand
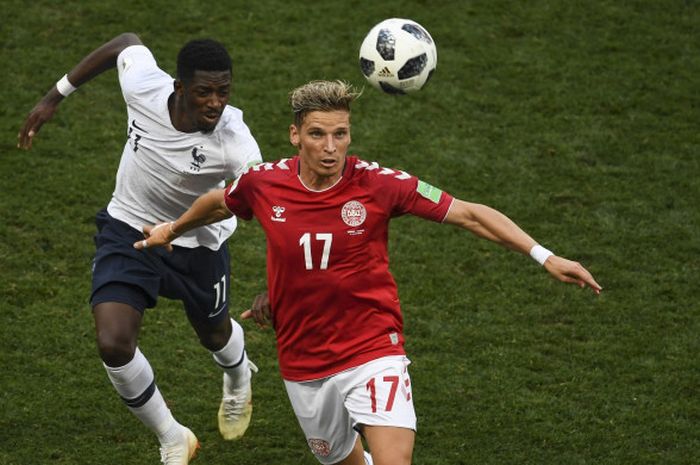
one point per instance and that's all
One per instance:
(159, 235)
(41, 113)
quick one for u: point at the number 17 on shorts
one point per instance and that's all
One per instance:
(386, 398)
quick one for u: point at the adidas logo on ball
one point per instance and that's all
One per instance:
(385, 73)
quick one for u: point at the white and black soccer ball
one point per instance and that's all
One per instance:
(398, 56)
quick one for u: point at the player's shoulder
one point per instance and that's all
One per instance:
(139, 74)
(374, 173)
(136, 51)
(271, 171)
(231, 122)
(231, 116)
(136, 58)
(261, 177)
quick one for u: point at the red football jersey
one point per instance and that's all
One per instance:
(334, 302)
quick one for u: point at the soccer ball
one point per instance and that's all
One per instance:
(398, 56)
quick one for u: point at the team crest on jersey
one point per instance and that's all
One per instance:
(278, 212)
(198, 159)
(320, 447)
(353, 213)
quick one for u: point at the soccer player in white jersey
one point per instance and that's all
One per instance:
(332, 301)
(182, 140)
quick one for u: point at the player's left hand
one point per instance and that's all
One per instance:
(159, 235)
(260, 311)
(571, 272)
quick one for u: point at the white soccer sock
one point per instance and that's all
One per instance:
(136, 385)
(232, 358)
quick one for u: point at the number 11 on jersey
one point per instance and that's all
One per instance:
(305, 242)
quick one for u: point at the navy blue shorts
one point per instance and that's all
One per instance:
(198, 277)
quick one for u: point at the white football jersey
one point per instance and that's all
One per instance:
(162, 170)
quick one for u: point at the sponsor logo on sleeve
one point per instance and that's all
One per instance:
(429, 192)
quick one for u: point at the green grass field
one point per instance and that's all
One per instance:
(577, 119)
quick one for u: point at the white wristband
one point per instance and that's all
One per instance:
(540, 254)
(64, 86)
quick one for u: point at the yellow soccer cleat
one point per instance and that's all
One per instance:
(181, 452)
(236, 407)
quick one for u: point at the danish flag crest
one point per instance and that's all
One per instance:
(353, 213)
(320, 447)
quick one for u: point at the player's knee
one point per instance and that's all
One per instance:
(390, 445)
(116, 329)
(215, 337)
(115, 351)
(213, 341)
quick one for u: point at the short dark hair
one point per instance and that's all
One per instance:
(202, 55)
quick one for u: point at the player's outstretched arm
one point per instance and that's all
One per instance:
(491, 224)
(207, 209)
(98, 61)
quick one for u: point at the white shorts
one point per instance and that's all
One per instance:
(331, 409)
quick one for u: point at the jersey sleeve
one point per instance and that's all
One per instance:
(137, 67)
(237, 196)
(418, 198)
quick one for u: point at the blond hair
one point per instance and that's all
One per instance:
(321, 96)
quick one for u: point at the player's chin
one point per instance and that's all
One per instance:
(207, 124)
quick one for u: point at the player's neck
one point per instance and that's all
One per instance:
(178, 116)
(319, 183)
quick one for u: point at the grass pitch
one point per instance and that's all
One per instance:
(579, 120)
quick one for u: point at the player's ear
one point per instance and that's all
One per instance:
(178, 88)
(294, 135)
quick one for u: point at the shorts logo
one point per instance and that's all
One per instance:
(319, 447)
(353, 213)
(394, 338)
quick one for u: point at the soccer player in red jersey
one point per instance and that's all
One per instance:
(332, 301)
